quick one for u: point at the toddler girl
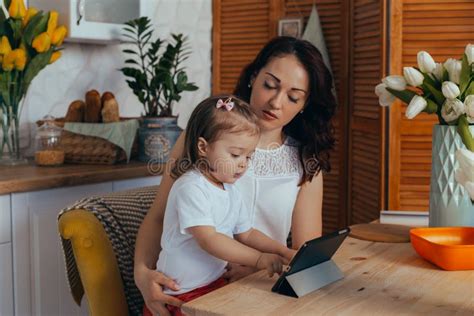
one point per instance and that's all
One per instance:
(205, 212)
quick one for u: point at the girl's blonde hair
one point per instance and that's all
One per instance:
(209, 122)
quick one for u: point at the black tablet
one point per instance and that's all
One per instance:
(312, 252)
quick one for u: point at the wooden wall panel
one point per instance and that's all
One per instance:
(443, 28)
(367, 118)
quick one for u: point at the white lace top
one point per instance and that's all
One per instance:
(270, 187)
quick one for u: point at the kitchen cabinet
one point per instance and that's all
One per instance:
(97, 21)
(32, 270)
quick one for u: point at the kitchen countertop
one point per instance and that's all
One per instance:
(32, 178)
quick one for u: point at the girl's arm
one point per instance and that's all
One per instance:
(147, 247)
(223, 247)
(306, 222)
(258, 240)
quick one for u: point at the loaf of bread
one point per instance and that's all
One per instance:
(110, 109)
(93, 107)
(75, 111)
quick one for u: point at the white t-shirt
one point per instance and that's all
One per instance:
(194, 201)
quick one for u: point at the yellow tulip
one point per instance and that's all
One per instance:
(20, 59)
(9, 61)
(52, 23)
(59, 35)
(17, 9)
(42, 42)
(5, 47)
(55, 56)
(31, 12)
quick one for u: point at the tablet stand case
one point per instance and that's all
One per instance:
(320, 269)
(310, 279)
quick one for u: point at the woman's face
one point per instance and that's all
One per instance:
(279, 92)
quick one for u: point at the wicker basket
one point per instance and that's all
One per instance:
(84, 149)
(90, 150)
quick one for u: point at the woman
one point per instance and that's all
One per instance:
(289, 89)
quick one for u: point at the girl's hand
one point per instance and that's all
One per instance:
(150, 283)
(271, 262)
(237, 271)
(289, 254)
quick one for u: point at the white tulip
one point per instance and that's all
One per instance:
(416, 106)
(385, 97)
(438, 71)
(460, 177)
(453, 67)
(452, 109)
(395, 82)
(469, 106)
(470, 53)
(425, 62)
(450, 90)
(380, 88)
(465, 158)
(413, 76)
(465, 174)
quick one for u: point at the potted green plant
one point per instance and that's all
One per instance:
(156, 76)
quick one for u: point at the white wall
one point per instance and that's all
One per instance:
(84, 66)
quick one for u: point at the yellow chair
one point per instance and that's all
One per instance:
(96, 263)
(98, 235)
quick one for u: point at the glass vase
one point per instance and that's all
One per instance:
(10, 154)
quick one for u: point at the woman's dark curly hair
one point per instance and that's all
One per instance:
(313, 128)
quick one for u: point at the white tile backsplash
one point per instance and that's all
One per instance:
(84, 66)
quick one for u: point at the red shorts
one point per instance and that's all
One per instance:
(189, 296)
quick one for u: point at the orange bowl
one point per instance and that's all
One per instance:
(450, 248)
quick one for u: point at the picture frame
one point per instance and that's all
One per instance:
(290, 27)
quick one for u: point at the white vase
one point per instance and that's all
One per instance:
(450, 204)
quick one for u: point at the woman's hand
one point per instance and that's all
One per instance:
(150, 283)
(237, 271)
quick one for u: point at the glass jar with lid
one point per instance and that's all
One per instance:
(48, 150)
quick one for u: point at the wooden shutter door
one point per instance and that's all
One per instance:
(442, 28)
(367, 118)
(240, 29)
(333, 15)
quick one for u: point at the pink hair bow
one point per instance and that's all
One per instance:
(227, 104)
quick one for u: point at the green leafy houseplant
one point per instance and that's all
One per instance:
(156, 76)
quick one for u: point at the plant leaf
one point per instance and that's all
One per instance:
(470, 89)
(130, 51)
(7, 3)
(439, 97)
(36, 26)
(33, 68)
(431, 107)
(405, 95)
(463, 131)
(465, 74)
(2, 16)
(132, 61)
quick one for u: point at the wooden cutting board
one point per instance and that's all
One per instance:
(381, 232)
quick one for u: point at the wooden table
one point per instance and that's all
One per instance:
(380, 279)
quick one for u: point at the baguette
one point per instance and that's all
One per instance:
(110, 108)
(93, 107)
(75, 111)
